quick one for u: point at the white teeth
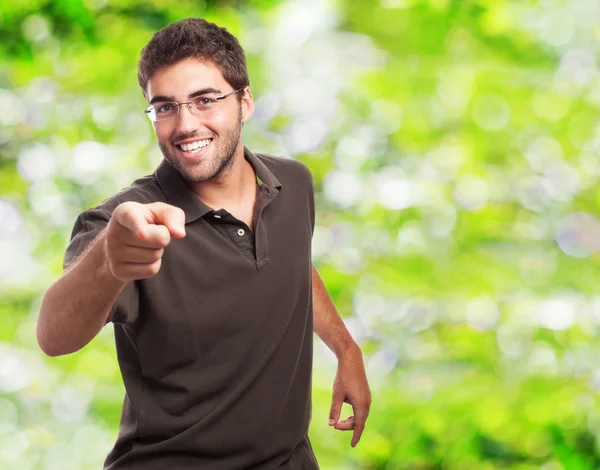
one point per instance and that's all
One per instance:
(194, 145)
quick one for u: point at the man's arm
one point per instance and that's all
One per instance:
(350, 384)
(76, 306)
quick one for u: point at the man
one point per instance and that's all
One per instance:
(204, 268)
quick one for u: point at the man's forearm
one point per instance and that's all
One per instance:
(328, 324)
(75, 307)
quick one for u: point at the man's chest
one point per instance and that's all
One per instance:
(244, 214)
(212, 305)
(220, 290)
(245, 211)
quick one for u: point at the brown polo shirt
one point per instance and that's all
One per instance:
(216, 350)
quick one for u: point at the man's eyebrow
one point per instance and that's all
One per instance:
(204, 91)
(161, 98)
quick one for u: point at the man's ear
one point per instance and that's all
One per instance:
(247, 105)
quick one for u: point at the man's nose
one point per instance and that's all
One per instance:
(186, 120)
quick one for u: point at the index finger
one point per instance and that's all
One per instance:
(360, 418)
(130, 215)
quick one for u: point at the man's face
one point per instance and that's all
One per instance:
(217, 132)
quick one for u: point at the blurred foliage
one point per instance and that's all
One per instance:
(454, 146)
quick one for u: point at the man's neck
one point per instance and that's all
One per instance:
(234, 188)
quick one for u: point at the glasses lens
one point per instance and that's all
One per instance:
(205, 103)
(163, 111)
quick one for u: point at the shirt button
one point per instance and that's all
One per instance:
(241, 232)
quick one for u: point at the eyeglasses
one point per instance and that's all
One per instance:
(163, 110)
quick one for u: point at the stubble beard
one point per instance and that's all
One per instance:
(222, 162)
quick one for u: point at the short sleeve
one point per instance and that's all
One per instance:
(311, 202)
(87, 227)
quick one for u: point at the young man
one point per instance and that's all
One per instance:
(204, 268)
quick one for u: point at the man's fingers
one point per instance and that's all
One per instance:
(137, 236)
(336, 408)
(142, 270)
(170, 216)
(360, 418)
(133, 217)
(345, 424)
(158, 237)
(137, 218)
(143, 255)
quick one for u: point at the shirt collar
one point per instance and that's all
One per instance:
(179, 194)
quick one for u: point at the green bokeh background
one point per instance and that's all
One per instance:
(454, 146)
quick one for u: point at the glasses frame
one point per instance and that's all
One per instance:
(190, 105)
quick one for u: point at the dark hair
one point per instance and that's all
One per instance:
(194, 37)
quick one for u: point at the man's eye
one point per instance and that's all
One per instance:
(165, 108)
(205, 101)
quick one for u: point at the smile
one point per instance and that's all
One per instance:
(195, 146)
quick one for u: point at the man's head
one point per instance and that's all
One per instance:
(193, 61)
(194, 37)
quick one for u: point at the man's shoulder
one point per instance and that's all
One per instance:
(143, 190)
(283, 166)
